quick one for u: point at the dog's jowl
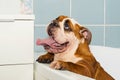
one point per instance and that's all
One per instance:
(68, 49)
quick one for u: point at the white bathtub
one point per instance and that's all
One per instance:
(108, 57)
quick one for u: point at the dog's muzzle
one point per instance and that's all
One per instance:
(51, 27)
(50, 44)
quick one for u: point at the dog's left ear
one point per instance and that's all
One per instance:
(86, 34)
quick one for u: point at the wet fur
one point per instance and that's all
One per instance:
(78, 58)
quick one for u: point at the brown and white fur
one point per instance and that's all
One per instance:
(70, 49)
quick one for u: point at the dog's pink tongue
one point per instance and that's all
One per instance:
(50, 45)
(48, 41)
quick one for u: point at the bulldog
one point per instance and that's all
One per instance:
(68, 49)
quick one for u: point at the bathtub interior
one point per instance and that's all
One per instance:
(43, 72)
(108, 58)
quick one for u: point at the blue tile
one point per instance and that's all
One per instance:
(112, 11)
(97, 35)
(88, 11)
(40, 32)
(45, 11)
(113, 36)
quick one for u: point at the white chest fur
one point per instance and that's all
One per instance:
(69, 54)
(67, 58)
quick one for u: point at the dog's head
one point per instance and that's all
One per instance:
(64, 32)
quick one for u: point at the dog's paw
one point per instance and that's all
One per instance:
(59, 65)
(45, 59)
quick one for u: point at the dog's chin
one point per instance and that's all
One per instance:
(53, 46)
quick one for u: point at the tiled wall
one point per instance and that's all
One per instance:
(102, 17)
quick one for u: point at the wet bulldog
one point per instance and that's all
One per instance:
(68, 49)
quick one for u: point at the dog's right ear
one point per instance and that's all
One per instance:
(86, 34)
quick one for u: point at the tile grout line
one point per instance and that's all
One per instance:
(104, 42)
(70, 8)
(40, 25)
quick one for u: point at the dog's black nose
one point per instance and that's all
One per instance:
(52, 27)
(50, 31)
(54, 23)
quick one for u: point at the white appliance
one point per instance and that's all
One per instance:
(16, 47)
(16, 40)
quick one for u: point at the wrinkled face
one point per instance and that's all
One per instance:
(63, 33)
(62, 30)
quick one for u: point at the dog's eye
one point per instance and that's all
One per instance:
(66, 25)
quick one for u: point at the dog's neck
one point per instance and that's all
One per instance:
(83, 49)
(70, 54)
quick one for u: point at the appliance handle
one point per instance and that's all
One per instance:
(7, 20)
